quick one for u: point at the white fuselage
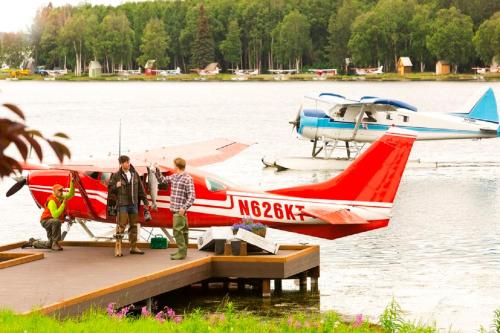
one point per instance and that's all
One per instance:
(345, 124)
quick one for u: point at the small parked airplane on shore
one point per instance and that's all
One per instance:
(358, 200)
(324, 71)
(281, 74)
(167, 72)
(369, 70)
(334, 118)
(127, 72)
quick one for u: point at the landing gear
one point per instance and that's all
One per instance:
(328, 147)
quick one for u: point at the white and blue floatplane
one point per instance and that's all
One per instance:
(333, 119)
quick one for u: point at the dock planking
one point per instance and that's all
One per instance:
(87, 275)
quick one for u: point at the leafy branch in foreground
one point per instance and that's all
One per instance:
(17, 133)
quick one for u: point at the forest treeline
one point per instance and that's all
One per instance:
(264, 34)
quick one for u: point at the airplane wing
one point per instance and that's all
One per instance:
(196, 154)
(334, 216)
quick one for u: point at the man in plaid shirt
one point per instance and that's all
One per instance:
(181, 198)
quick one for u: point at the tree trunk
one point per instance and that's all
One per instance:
(76, 58)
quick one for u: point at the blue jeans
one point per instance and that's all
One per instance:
(129, 209)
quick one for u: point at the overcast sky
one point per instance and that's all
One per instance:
(18, 15)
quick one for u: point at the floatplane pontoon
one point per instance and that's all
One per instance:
(335, 122)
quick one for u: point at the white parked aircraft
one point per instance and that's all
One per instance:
(334, 118)
(168, 72)
(369, 71)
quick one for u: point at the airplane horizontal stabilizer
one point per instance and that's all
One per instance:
(334, 216)
(486, 108)
(488, 131)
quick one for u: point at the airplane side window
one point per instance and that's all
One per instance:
(405, 119)
(105, 177)
(388, 116)
(92, 174)
(161, 186)
(342, 112)
(214, 186)
(369, 117)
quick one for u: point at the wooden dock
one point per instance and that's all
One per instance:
(87, 275)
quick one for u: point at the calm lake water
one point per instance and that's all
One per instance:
(439, 257)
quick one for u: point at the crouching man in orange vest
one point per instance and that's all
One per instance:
(52, 218)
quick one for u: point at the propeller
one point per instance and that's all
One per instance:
(296, 121)
(17, 186)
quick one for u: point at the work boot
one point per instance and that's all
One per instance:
(56, 247)
(178, 256)
(29, 243)
(136, 250)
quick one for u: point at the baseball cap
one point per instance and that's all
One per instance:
(57, 187)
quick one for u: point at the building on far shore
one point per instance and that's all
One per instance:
(404, 65)
(443, 67)
(95, 69)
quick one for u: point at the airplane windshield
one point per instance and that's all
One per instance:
(214, 186)
(105, 177)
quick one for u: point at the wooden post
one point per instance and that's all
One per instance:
(278, 285)
(241, 285)
(303, 282)
(266, 288)
(314, 274)
(227, 249)
(243, 249)
(149, 305)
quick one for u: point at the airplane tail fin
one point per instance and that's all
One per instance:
(373, 177)
(485, 109)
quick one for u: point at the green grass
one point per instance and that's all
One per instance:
(226, 320)
(426, 76)
(197, 321)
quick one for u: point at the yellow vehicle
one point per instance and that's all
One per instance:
(19, 72)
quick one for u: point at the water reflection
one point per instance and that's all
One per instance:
(216, 300)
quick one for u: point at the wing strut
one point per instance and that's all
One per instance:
(83, 193)
(358, 122)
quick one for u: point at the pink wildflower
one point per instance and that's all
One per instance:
(111, 309)
(159, 317)
(298, 324)
(145, 312)
(177, 319)
(359, 320)
(124, 311)
(222, 317)
(170, 313)
(290, 321)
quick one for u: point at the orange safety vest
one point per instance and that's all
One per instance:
(47, 214)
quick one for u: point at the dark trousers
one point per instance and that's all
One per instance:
(53, 229)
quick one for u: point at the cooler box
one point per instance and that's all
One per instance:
(159, 242)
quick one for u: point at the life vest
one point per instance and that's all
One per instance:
(47, 214)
